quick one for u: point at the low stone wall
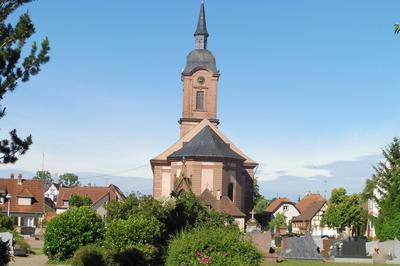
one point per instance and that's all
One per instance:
(390, 248)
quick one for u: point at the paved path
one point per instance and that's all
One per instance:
(31, 260)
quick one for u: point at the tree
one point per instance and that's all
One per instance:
(384, 188)
(78, 201)
(71, 230)
(69, 179)
(386, 180)
(278, 222)
(6, 223)
(45, 176)
(13, 68)
(396, 28)
(345, 211)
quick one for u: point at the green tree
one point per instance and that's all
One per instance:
(78, 201)
(384, 188)
(345, 211)
(15, 68)
(277, 222)
(71, 230)
(6, 223)
(69, 179)
(45, 176)
(396, 28)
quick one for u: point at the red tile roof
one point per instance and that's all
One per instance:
(303, 204)
(309, 213)
(94, 193)
(274, 205)
(25, 188)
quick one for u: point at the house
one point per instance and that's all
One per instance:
(308, 199)
(310, 221)
(284, 206)
(23, 200)
(98, 195)
(210, 159)
(312, 206)
(373, 212)
(52, 192)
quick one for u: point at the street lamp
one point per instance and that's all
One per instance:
(8, 197)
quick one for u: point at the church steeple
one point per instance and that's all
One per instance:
(201, 33)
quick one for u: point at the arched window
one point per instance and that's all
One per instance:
(200, 100)
(230, 191)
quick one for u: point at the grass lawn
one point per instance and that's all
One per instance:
(316, 263)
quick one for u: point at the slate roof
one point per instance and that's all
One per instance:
(271, 208)
(202, 25)
(200, 59)
(224, 205)
(310, 211)
(191, 134)
(303, 204)
(94, 193)
(205, 144)
(24, 188)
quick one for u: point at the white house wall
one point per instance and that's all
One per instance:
(289, 213)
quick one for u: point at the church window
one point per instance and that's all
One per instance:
(230, 191)
(200, 100)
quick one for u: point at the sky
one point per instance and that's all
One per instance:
(309, 89)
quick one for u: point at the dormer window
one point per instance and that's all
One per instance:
(26, 201)
(200, 101)
(65, 203)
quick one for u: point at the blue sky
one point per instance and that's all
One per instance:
(306, 86)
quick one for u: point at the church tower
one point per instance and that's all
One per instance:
(200, 81)
(203, 160)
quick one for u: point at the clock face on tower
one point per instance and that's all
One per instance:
(201, 80)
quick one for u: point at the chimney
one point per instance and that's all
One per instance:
(12, 176)
(19, 179)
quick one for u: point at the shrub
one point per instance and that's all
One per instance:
(6, 223)
(4, 253)
(90, 255)
(138, 231)
(71, 230)
(215, 246)
(188, 212)
(129, 257)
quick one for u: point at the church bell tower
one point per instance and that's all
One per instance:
(200, 81)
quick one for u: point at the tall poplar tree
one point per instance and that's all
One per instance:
(15, 68)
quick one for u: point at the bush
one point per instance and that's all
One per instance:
(138, 231)
(4, 253)
(90, 255)
(129, 257)
(215, 246)
(71, 230)
(188, 212)
(6, 223)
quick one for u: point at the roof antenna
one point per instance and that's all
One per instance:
(43, 159)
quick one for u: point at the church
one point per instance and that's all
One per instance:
(203, 160)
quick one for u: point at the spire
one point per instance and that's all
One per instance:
(201, 33)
